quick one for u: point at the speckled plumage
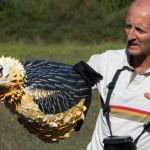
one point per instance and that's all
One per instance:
(50, 98)
(54, 84)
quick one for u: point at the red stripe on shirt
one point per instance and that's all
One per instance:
(130, 109)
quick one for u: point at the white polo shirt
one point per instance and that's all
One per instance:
(130, 110)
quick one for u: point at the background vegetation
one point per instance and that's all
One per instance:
(64, 31)
(56, 20)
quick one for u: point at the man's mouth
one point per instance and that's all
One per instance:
(133, 45)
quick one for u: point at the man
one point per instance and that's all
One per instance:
(129, 102)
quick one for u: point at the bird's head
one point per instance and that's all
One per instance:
(11, 75)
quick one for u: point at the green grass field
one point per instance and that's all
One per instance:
(12, 135)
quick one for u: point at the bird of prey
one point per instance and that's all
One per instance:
(51, 99)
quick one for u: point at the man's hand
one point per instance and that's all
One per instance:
(147, 95)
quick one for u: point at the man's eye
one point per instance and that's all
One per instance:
(128, 26)
(140, 30)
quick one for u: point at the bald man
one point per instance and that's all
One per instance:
(129, 102)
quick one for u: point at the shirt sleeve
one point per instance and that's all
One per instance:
(97, 63)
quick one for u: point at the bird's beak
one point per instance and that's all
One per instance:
(1, 74)
(3, 84)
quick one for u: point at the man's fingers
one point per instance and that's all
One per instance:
(147, 95)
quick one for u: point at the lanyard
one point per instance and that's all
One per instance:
(106, 108)
(111, 86)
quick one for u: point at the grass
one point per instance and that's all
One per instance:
(64, 52)
(12, 134)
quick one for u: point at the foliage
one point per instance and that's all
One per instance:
(116, 4)
(56, 21)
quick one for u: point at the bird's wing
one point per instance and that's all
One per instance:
(55, 87)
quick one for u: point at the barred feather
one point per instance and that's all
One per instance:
(68, 86)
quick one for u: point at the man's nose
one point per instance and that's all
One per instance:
(131, 34)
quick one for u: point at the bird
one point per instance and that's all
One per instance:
(51, 99)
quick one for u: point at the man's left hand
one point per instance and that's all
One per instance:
(147, 95)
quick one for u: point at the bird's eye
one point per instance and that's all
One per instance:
(1, 69)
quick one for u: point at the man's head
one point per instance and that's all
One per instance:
(137, 28)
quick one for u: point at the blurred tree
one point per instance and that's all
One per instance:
(116, 4)
(56, 20)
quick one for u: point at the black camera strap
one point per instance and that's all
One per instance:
(146, 128)
(106, 108)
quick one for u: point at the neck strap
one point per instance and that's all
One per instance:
(106, 108)
(111, 86)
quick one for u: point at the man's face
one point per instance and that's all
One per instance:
(137, 29)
